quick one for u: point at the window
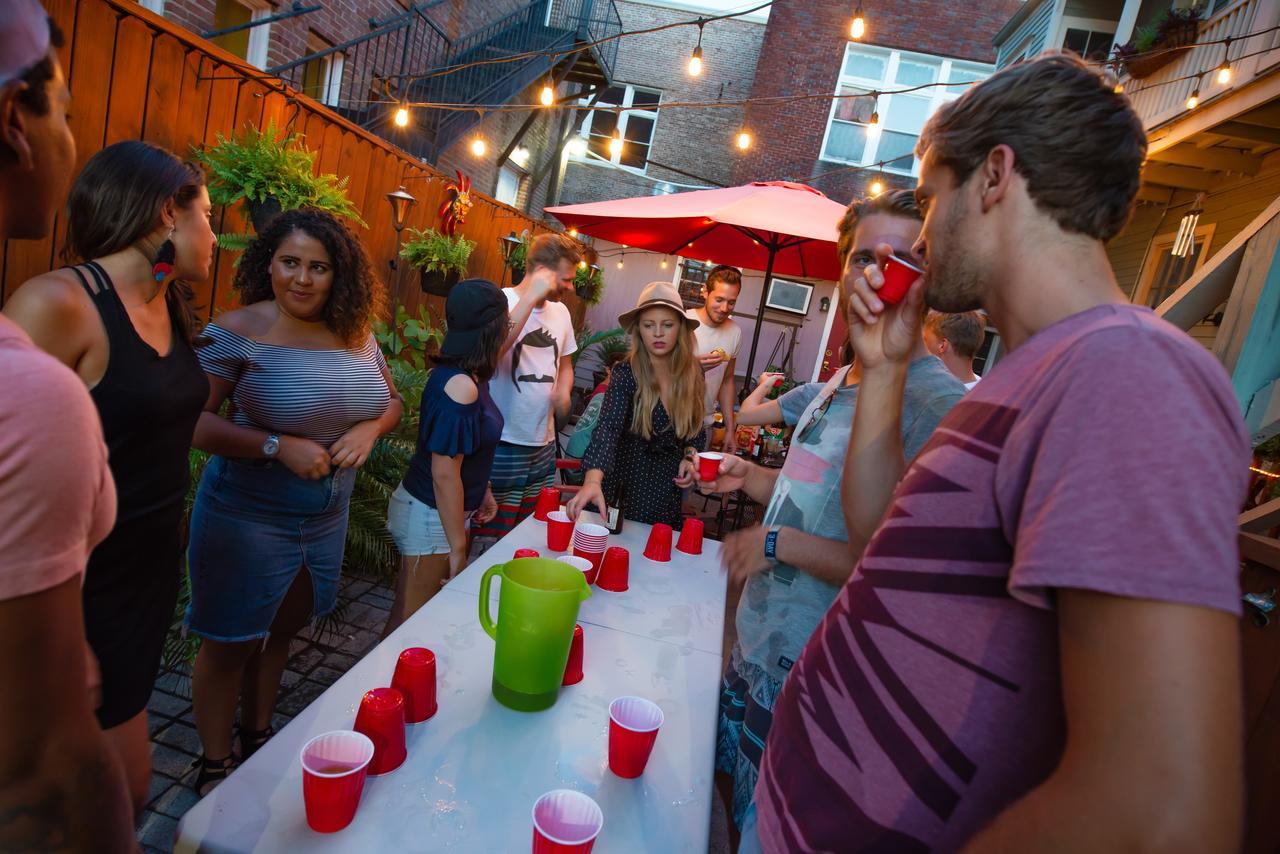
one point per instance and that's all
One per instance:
(1163, 273)
(510, 185)
(1091, 38)
(851, 138)
(635, 124)
(1090, 44)
(249, 44)
(693, 275)
(322, 76)
(156, 6)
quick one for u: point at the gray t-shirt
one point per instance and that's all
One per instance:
(781, 608)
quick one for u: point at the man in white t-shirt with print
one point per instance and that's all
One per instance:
(718, 341)
(532, 384)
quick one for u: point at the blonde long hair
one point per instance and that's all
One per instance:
(688, 388)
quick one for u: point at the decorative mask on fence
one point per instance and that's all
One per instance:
(457, 203)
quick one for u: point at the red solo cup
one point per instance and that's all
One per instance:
(709, 465)
(690, 541)
(559, 531)
(381, 717)
(899, 276)
(613, 571)
(565, 822)
(587, 568)
(659, 546)
(548, 502)
(415, 679)
(573, 668)
(334, 765)
(633, 728)
(527, 553)
(593, 557)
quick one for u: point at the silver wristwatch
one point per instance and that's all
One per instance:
(271, 447)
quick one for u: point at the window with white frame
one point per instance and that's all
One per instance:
(510, 185)
(1090, 38)
(322, 76)
(851, 138)
(635, 123)
(250, 43)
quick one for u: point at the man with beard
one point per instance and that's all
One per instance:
(61, 787)
(1038, 571)
(531, 387)
(718, 341)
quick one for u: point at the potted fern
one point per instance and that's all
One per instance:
(519, 258)
(441, 259)
(270, 172)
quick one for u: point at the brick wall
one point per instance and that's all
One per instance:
(698, 141)
(802, 52)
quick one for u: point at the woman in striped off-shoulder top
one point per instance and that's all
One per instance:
(310, 393)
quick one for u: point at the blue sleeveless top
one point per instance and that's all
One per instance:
(450, 428)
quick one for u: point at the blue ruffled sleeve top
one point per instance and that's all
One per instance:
(450, 428)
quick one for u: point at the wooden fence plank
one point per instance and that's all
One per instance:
(193, 105)
(128, 100)
(164, 95)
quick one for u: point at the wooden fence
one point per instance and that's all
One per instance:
(134, 75)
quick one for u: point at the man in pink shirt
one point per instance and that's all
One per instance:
(60, 785)
(1039, 649)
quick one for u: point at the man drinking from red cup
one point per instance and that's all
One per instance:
(1038, 569)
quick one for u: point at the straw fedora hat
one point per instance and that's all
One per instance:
(657, 294)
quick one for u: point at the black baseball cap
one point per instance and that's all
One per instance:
(471, 306)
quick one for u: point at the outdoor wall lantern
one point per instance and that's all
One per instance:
(508, 245)
(824, 304)
(401, 204)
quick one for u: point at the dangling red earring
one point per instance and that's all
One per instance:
(164, 260)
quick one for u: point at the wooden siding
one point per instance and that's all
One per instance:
(1036, 26)
(134, 75)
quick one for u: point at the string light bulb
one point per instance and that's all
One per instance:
(548, 95)
(582, 265)
(744, 140)
(620, 260)
(876, 188)
(1193, 100)
(695, 61)
(875, 118)
(479, 146)
(1224, 70)
(664, 263)
(615, 144)
(402, 117)
(858, 27)
(573, 232)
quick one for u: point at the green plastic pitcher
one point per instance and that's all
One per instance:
(537, 609)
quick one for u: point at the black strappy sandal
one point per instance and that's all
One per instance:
(212, 772)
(251, 740)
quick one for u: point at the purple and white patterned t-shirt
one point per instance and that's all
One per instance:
(1106, 454)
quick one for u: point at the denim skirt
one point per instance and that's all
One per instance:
(254, 526)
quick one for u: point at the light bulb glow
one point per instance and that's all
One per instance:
(402, 117)
(858, 28)
(479, 146)
(577, 146)
(1119, 88)
(744, 141)
(547, 96)
(1194, 100)
(582, 265)
(695, 62)
(615, 144)
(573, 232)
(619, 263)
(1224, 73)
(875, 118)
(877, 187)
(664, 263)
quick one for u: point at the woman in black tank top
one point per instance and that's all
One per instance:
(125, 325)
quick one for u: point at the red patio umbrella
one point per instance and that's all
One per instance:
(775, 226)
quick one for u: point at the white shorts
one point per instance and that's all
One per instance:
(416, 526)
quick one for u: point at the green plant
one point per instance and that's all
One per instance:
(409, 339)
(520, 253)
(1270, 449)
(432, 251)
(589, 284)
(608, 341)
(257, 166)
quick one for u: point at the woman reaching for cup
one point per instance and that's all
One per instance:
(650, 427)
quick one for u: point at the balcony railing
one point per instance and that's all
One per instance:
(1162, 97)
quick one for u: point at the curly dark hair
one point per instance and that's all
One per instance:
(357, 294)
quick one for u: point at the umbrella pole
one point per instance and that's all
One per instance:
(755, 334)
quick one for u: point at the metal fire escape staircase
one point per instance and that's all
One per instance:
(408, 58)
